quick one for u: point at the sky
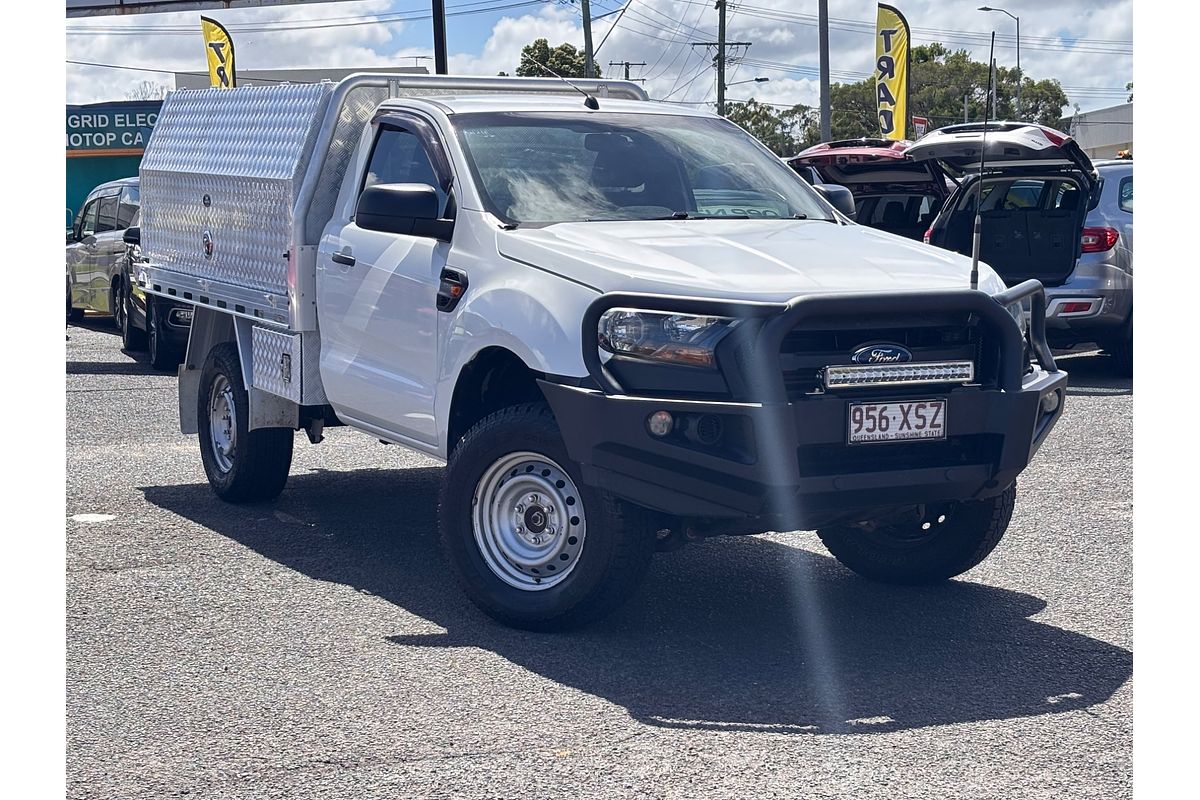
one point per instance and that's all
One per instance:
(1085, 44)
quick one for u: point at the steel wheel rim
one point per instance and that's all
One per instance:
(528, 520)
(222, 423)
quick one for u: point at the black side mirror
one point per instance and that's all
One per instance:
(406, 208)
(132, 235)
(838, 196)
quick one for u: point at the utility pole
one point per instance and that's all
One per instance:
(440, 65)
(589, 68)
(721, 58)
(719, 61)
(966, 118)
(627, 65)
(823, 35)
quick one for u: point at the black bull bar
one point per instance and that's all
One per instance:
(778, 319)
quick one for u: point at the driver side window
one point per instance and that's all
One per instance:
(399, 157)
(88, 226)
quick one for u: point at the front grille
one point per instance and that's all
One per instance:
(806, 353)
(849, 459)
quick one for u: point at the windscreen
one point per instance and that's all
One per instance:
(541, 168)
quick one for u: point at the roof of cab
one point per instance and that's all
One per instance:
(117, 184)
(501, 101)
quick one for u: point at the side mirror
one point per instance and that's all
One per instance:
(132, 235)
(838, 196)
(406, 208)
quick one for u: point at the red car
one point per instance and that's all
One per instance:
(891, 192)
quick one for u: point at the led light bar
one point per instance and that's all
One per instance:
(899, 374)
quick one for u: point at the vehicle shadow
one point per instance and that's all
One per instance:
(140, 366)
(100, 323)
(732, 634)
(1093, 374)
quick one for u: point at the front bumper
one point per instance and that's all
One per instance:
(787, 458)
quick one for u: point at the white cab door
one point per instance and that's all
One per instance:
(377, 306)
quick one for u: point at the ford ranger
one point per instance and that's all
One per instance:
(622, 324)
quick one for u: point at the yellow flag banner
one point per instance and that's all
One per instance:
(218, 45)
(891, 71)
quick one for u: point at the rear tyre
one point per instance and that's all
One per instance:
(242, 465)
(1122, 351)
(133, 338)
(947, 543)
(164, 354)
(533, 546)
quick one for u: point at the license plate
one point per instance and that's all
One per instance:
(897, 421)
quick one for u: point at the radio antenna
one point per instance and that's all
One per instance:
(588, 100)
(978, 237)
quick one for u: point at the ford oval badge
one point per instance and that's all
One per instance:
(882, 354)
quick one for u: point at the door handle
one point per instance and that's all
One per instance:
(344, 259)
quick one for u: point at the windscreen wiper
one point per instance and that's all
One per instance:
(687, 215)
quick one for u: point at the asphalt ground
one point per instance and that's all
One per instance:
(317, 646)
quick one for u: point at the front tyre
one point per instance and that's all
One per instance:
(73, 314)
(242, 465)
(946, 542)
(534, 548)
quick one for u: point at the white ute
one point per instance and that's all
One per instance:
(622, 324)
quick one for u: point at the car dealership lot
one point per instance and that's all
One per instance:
(317, 646)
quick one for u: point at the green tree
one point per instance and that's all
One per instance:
(939, 80)
(565, 60)
(785, 132)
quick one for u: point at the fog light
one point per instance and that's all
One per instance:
(1050, 402)
(660, 423)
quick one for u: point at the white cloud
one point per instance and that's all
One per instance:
(659, 32)
(502, 50)
(118, 40)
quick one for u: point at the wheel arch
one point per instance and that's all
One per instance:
(493, 379)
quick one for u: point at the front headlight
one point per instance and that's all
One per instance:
(674, 338)
(1020, 312)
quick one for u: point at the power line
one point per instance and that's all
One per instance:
(317, 24)
(857, 25)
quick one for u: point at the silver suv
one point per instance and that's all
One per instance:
(1095, 303)
(1047, 213)
(96, 250)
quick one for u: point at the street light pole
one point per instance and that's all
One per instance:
(1019, 75)
(823, 51)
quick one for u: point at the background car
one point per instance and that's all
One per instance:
(149, 322)
(891, 192)
(1048, 213)
(1095, 303)
(95, 250)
